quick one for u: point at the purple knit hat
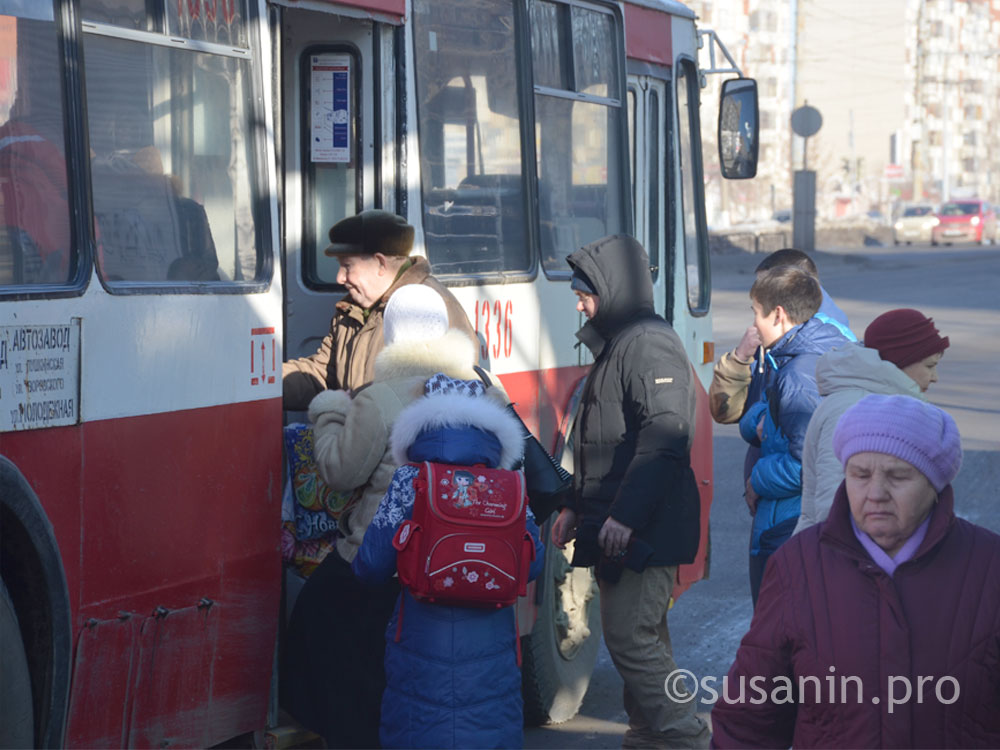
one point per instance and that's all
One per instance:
(909, 429)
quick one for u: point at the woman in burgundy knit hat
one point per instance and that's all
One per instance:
(900, 355)
(909, 340)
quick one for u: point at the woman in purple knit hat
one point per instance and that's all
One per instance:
(881, 626)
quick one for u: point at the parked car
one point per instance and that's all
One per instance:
(970, 220)
(915, 224)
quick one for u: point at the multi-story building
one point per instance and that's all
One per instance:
(758, 33)
(952, 97)
(923, 75)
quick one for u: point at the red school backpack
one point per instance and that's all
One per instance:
(466, 544)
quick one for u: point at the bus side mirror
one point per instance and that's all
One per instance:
(739, 129)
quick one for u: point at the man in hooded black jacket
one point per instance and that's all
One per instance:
(635, 512)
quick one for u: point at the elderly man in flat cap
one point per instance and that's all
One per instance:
(373, 248)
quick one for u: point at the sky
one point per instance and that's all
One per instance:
(851, 66)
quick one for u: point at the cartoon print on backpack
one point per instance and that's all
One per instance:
(461, 495)
(478, 496)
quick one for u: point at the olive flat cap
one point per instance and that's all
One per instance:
(371, 232)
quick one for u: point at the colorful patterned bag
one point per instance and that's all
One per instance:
(310, 508)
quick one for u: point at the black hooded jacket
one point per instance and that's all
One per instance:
(632, 450)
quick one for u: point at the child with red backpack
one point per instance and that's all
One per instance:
(452, 659)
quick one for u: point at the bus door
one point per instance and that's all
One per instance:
(669, 210)
(668, 197)
(691, 293)
(337, 92)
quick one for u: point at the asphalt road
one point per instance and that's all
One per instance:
(958, 287)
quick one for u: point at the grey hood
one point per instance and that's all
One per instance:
(855, 366)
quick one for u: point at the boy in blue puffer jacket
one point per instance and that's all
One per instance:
(452, 677)
(784, 301)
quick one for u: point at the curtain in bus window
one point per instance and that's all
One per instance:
(470, 143)
(35, 238)
(578, 141)
(172, 163)
(219, 21)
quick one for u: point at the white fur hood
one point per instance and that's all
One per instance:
(487, 412)
(453, 354)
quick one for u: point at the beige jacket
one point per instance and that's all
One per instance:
(727, 395)
(351, 436)
(345, 359)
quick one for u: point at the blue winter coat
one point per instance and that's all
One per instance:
(789, 398)
(829, 312)
(452, 679)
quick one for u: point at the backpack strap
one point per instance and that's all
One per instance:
(483, 375)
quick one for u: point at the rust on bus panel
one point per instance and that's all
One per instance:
(164, 662)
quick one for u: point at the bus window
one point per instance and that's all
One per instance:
(579, 128)
(219, 21)
(654, 206)
(469, 119)
(692, 197)
(631, 99)
(129, 14)
(173, 158)
(330, 175)
(35, 237)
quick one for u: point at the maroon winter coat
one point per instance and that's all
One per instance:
(824, 603)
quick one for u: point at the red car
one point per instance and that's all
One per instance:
(971, 220)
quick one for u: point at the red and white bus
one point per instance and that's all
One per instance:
(168, 169)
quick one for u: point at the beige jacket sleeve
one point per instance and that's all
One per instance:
(727, 395)
(349, 437)
(302, 379)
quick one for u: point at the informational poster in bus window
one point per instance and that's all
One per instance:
(39, 376)
(330, 118)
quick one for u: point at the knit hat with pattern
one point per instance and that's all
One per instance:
(909, 429)
(414, 312)
(904, 336)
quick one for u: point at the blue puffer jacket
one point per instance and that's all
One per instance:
(452, 678)
(790, 396)
(829, 312)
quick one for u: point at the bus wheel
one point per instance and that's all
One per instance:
(17, 727)
(559, 654)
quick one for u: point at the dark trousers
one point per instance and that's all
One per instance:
(769, 542)
(332, 675)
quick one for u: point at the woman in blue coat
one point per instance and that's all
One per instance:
(452, 675)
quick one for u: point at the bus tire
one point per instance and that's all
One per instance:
(558, 655)
(17, 730)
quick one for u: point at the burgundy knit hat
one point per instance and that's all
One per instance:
(919, 433)
(904, 336)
